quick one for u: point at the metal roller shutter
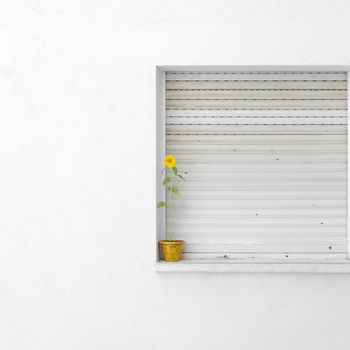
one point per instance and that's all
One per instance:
(266, 161)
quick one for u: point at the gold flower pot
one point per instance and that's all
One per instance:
(172, 250)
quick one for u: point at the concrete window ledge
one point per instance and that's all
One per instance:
(248, 266)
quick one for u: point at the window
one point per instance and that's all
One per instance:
(265, 151)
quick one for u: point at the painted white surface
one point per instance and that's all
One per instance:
(270, 266)
(78, 205)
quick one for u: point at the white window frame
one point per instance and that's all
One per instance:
(216, 265)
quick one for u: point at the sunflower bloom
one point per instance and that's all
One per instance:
(169, 161)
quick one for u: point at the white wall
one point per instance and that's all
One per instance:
(77, 170)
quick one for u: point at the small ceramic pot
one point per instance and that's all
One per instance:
(172, 250)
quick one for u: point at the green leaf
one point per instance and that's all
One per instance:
(174, 170)
(161, 204)
(181, 177)
(174, 190)
(166, 180)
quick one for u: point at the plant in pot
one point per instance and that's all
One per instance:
(172, 249)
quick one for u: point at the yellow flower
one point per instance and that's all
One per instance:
(169, 161)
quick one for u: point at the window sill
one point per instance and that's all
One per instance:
(248, 266)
